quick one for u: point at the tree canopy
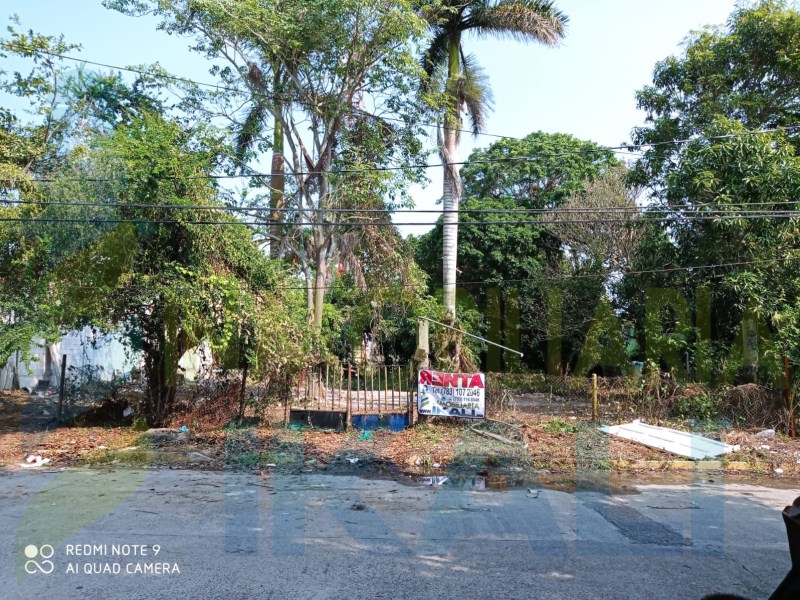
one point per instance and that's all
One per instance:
(517, 259)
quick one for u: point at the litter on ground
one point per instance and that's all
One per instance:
(34, 461)
(677, 442)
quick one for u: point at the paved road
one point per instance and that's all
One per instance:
(312, 536)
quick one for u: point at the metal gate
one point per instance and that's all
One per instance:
(350, 390)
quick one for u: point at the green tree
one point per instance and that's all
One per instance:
(522, 261)
(729, 81)
(323, 72)
(747, 71)
(731, 204)
(465, 90)
(163, 278)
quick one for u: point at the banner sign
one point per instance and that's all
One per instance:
(451, 394)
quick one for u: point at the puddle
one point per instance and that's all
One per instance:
(596, 481)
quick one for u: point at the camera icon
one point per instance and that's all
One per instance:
(43, 552)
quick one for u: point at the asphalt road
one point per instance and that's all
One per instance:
(186, 534)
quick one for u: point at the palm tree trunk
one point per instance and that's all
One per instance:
(277, 181)
(450, 202)
(451, 194)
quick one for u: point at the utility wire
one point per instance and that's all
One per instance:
(497, 282)
(421, 166)
(643, 210)
(225, 88)
(687, 218)
(560, 278)
(624, 147)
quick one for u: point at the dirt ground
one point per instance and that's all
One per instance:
(529, 438)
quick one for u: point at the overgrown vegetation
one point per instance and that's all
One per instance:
(674, 278)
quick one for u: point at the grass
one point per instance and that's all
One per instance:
(130, 458)
(559, 425)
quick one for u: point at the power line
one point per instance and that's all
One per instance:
(634, 210)
(562, 278)
(641, 220)
(566, 277)
(225, 88)
(620, 148)
(420, 166)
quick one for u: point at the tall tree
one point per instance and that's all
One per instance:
(465, 89)
(513, 263)
(335, 77)
(729, 84)
(84, 240)
(747, 71)
(161, 276)
(600, 223)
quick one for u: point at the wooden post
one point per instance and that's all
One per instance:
(327, 380)
(788, 375)
(386, 385)
(410, 396)
(286, 412)
(423, 344)
(399, 387)
(358, 387)
(379, 389)
(594, 397)
(349, 408)
(61, 387)
(421, 355)
(242, 392)
(372, 387)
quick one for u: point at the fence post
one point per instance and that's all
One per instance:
(399, 386)
(242, 393)
(421, 360)
(789, 404)
(286, 409)
(388, 375)
(410, 395)
(341, 383)
(594, 397)
(349, 408)
(61, 387)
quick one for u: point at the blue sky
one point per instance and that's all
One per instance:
(585, 88)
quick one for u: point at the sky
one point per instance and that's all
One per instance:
(586, 87)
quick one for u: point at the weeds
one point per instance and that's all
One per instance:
(559, 425)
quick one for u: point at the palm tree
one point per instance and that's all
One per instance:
(465, 87)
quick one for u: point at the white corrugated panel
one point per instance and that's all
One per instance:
(677, 442)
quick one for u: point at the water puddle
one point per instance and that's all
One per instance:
(596, 481)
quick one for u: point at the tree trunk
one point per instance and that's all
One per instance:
(450, 202)
(160, 367)
(161, 388)
(277, 182)
(319, 288)
(451, 194)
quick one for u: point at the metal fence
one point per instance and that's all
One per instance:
(357, 389)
